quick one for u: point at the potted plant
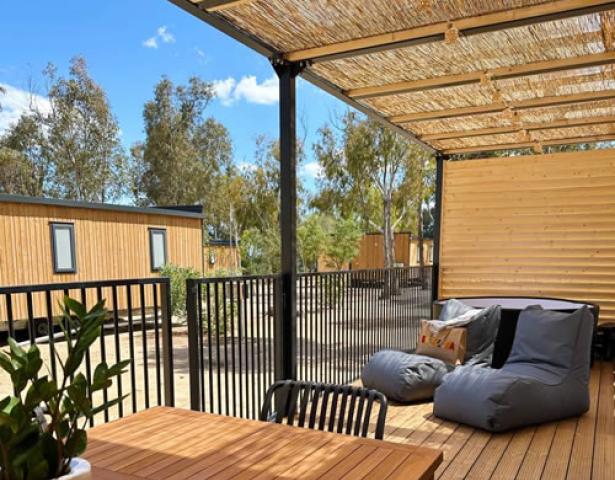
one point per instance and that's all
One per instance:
(42, 424)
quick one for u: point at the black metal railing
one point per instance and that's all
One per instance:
(139, 327)
(342, 319)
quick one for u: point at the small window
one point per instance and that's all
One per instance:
(157, 248)
(63, 248)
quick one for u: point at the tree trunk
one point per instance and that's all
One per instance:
(421, 247)
(389, 287)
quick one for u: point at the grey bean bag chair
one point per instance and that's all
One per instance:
(404, 377)
(407, 377)
(544, 379)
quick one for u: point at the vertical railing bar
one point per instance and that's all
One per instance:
(194, 349)
(144, 346)
(103, 353)
(240, 295)
(131, 347)
(118, 355)
(247, 345)
(218, 366)
(252, 345)
(227, 392)
(167, 343)
(234, 372)
(88, 360)
(9, 314)
(157, 345)
(52, 349)
(31, 327)
(209, 345)
(201, 357)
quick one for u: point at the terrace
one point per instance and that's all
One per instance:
(458, 78)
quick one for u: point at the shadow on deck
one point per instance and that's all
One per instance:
(575, 448)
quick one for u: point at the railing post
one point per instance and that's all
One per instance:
(167, 342)
(435, 285)
(286, 324)
(192, 292)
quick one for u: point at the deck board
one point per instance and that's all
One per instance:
(571, 448)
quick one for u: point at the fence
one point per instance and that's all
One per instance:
(139, 327)
(342, 319)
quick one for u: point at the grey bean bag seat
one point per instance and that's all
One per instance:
(404, 377)
(408, 377)
(544, 379)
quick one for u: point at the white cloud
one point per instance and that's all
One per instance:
(15, 101)
(246, 167)
(223, 89)
(199, 52)
(230, 90)
(162, 34)
(151, 43)
(312, 169)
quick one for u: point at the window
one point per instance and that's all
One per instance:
(430, 254)
(157, 248)
(63, 247)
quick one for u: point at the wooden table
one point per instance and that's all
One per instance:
(167, 443)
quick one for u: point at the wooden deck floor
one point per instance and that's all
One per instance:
(573, 449)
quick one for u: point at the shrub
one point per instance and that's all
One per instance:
(178, 276)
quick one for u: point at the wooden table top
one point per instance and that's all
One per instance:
(168, 443)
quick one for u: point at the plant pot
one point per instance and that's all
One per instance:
(79, 470)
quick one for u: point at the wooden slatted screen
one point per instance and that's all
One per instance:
(540, 225)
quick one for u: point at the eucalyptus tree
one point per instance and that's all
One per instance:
(373, 173)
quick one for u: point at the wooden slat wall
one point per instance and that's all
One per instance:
(371, 251)
(540, 225)
(109, 245)
(227, 259)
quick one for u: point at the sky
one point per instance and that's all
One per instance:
(129, 45)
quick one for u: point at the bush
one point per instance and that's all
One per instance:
(178, 276)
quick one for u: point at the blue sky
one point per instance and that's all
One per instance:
(129, 45)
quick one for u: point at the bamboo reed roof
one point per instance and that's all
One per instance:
(455, 75)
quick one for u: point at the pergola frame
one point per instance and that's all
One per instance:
(305, 62)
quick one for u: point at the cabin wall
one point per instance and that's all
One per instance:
(227, 258)
(109, 245)
(540, 225)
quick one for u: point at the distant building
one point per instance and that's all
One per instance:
(58, 241)
(221, 255)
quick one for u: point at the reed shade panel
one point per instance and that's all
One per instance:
(536, 225)
(463, 60)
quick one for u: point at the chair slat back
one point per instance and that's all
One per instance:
(334, 408)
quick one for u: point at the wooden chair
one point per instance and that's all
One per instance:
(335, 408)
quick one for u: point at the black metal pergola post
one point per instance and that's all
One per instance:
(440, 158)
(286, 300)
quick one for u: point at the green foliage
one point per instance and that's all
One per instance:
(184, 152)
(312, 240)
(344, 242)
(72, 149)
(260, 251)
(373, 174)
(42, 424)
(178, 276)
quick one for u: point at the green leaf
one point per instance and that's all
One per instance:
(5, 363)
(75, 306)
(76, 444)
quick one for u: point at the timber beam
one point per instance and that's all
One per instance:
(501, 106)
(490, 22)
(475, 77)
(510, 146)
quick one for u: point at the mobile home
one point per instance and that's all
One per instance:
(58, 241)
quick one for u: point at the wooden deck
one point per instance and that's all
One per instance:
(577, 448)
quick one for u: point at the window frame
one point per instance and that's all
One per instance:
(54, 247)
(155, 231)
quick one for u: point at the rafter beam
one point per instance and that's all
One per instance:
(219, 5)
(479, 132)
(489, 22)
(544, 143)
(476, 76)
(501, 106)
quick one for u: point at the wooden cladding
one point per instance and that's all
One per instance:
(371, 251)
(109, 245)
(540, 225)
